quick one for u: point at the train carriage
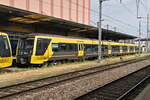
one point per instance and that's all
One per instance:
(38, 49)
(5, 51)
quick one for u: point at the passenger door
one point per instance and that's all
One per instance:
(80, 49)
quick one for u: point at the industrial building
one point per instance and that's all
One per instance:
(72, 10)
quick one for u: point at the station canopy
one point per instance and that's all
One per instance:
(143, 39)
(34, 22)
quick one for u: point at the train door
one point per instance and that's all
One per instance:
(121, 50)
(80, 49)
(5, 51)
(109, 49)
(128, 49)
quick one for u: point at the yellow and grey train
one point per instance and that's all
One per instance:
(39, 49)
(5, 51)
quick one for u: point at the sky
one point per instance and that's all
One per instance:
(123, 15)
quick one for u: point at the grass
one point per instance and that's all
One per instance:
(33, 73)
(106, 60)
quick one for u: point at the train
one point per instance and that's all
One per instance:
(5, 51)
(38, 49)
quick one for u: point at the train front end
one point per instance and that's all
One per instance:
(24, 50)
(5, 51)
(35, 50)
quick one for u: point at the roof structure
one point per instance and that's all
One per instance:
(13, 16)
(143, 39)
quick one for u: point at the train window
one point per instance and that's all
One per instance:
(95, 48)
(42, 45)
(115, 48)
(55, 47)
(26, 43)
(14, 43)
(4, 47)
(79, 47)
(104, 48)
(71, 47)
(67, 47)
(131, 49)
(64, 47)
(136, 49)
(124, 48)
(109, 47)
(88, 48)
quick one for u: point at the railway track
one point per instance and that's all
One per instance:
(118, 89)
(10, 91)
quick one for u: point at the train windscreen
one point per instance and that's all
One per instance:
(4, 47)
(26, 46)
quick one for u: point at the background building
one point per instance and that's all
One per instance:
(73, 10)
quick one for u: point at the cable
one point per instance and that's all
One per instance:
(145, 7)
(128, 9)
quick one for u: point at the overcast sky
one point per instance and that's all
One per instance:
(121, 15)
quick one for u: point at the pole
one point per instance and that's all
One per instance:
(139, 37)
(115, 29)
(107, 27)
(147, 44)
(100, 30)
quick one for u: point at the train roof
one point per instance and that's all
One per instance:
(79, 38)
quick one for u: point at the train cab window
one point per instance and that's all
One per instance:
(4, 47)
(26, 43)
(42, 45)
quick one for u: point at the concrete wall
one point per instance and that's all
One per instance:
(74, 10)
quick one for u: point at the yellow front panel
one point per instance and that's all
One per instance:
(5, 62)
(35, 59)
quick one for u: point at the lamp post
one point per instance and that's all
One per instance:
(139, 37)
(147, 44)
(100, 31)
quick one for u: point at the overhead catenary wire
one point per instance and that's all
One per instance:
(131, 12)
(144, 6)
